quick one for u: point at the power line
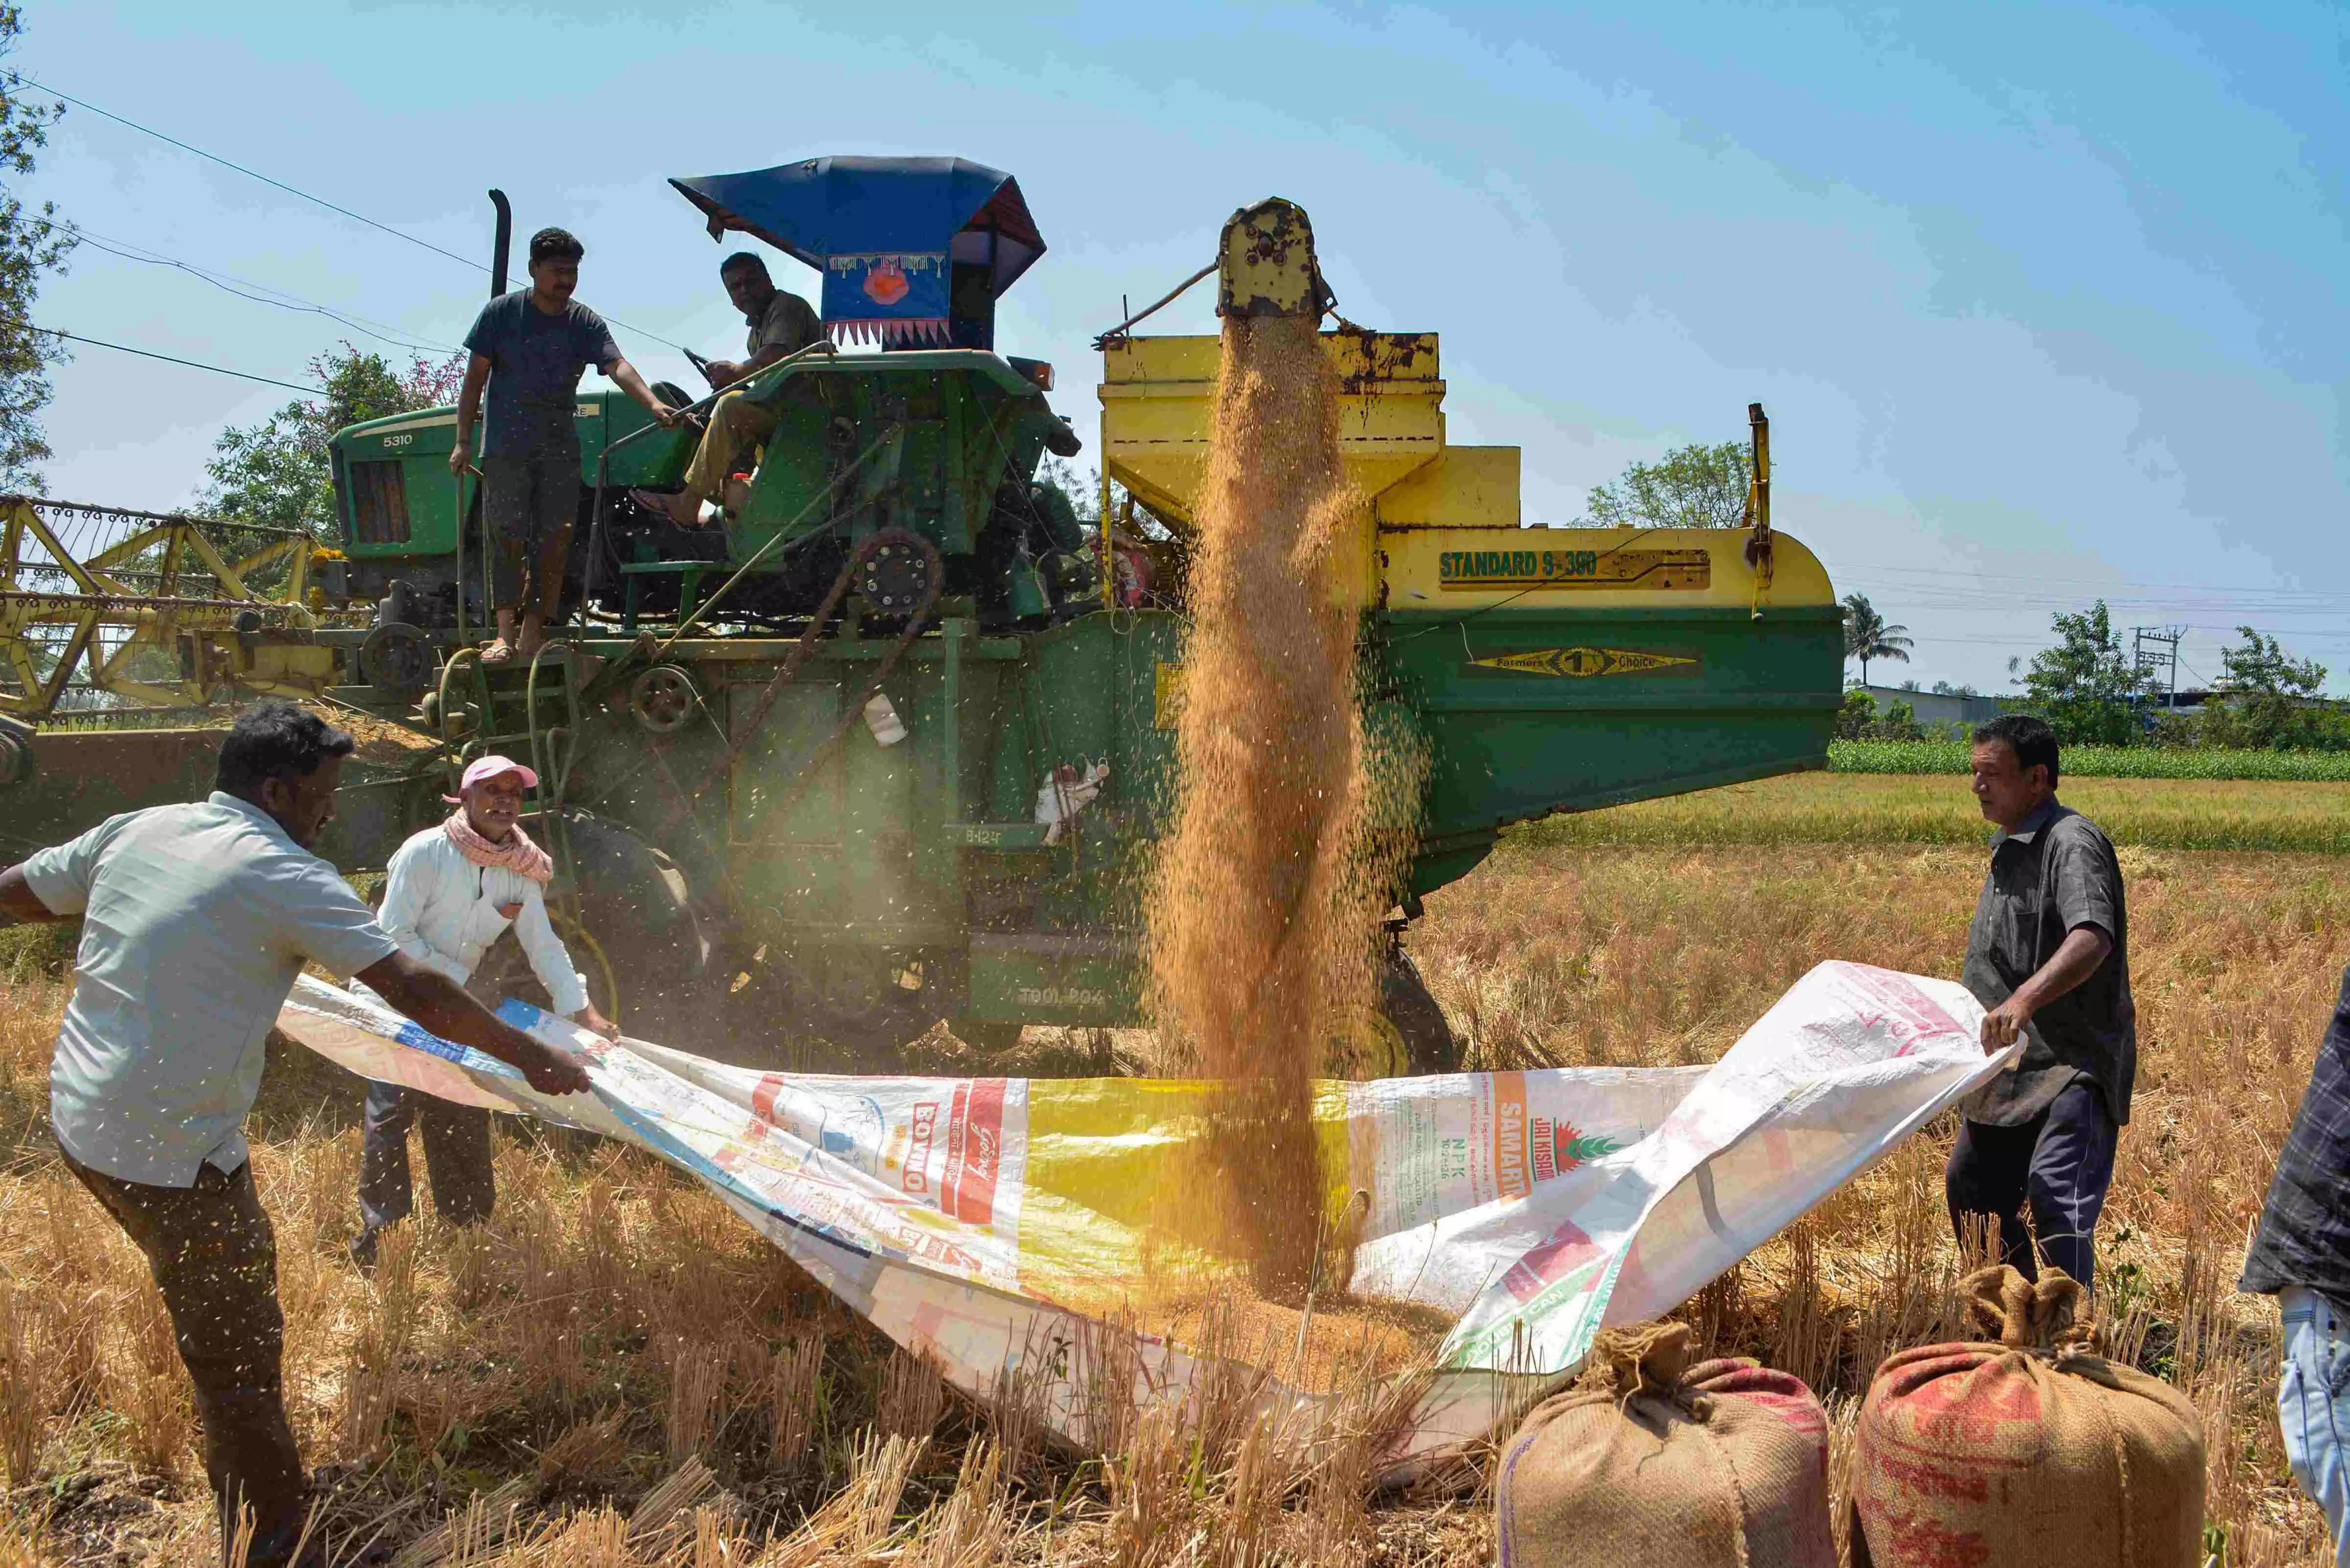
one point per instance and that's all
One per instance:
(130, 250)
(20, 79)
(174, 359)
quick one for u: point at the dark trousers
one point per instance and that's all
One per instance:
(215, 1258)
(529, 501)
(456, 1158)
(2059, 1164)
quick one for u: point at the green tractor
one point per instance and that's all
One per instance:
(892, 744)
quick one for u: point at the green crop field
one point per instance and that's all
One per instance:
(1918, 808)
(2100, 761)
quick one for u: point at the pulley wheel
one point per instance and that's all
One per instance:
(398, 660)
(898, 572)
(662, 699)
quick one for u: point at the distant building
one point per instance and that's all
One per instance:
(1934, 708)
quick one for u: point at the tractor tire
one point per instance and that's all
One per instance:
(1429, 1044)
(631, 930)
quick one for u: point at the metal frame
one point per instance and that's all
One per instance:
(92, 599)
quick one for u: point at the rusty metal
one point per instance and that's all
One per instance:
(96, 587)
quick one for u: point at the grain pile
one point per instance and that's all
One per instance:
(1264, 916)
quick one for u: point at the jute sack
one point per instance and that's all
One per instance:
(1656, 1463)
(2034, 1451)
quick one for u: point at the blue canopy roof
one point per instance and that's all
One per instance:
(826, 207)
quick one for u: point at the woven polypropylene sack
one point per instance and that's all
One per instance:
(2032, 1451)
(1666, 1465)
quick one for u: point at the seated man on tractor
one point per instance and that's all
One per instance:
(781, 324)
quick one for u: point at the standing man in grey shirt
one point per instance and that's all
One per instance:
(529, 347)
(2048, 954)
(196, 919)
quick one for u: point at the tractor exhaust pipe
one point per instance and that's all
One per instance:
(503, 246)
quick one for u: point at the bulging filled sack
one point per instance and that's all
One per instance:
(1656, 1462)
(2032, 1451)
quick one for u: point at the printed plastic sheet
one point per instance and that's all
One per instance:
(982, 1221)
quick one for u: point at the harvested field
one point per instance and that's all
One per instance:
(625, 1373)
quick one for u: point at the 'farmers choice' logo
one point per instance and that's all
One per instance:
(1584, 663)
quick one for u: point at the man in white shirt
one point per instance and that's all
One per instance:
(196, 919)
(452, 891)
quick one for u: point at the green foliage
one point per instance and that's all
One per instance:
(1695, 487)
(2271, 700)
(1890, 757)
(1859, 720)
(34, 243)
(1866, 636)
(2087, 687)
(279, 474)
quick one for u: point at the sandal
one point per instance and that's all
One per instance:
(498, 651)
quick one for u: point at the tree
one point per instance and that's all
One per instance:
(279, 474)
(33, 244)
(2087, 687)
(2268, 698)
(1866, 636)
(1695, 487)
(1944, 689)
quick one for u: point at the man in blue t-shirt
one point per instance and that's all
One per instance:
(530, 346)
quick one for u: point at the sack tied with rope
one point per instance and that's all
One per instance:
(2029, 1451)
(1654, 1461)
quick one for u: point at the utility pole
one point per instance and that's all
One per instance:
(2150, 648)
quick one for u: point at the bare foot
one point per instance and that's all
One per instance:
(738, 494)
(498, 650)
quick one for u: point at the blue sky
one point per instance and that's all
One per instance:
(2045, 302)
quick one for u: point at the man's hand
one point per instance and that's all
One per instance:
(18, 902)
(441, 1005)
(665, 416)
(2003, 1023)
(2074, 960)
(460, 457)
(553, 1073)
(595, 1023)
(723, 372)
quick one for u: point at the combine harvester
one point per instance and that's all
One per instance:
(892, 744)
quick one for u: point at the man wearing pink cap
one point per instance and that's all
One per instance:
(454, 891)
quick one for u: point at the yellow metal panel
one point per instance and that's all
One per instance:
(1646, 568)
(1157, 394)
(1467, 487)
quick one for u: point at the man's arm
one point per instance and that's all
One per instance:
(19, 905)
(624, 376)
(2074, 961)
(440, 1005)
(469, 408)
(551, 961)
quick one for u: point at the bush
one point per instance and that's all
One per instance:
(1888, 756)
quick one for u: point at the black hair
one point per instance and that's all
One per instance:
(2032, 741)
(555, 242)
(275, 739)
(743, 261)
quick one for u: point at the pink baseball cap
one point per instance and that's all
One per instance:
(490, 768)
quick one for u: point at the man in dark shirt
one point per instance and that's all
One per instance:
(781, 325)
(529, 347)
(2301, 1256)
(2048, 954)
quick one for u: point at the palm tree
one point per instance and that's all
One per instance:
(1866, 636)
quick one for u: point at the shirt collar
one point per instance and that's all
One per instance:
(2030, 827)
(259, 817)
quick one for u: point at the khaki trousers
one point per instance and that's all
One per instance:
(737, 427)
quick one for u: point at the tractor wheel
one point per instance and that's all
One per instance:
(632, 925)
(1405, 1004)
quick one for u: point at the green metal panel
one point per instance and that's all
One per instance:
(1531, 711)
